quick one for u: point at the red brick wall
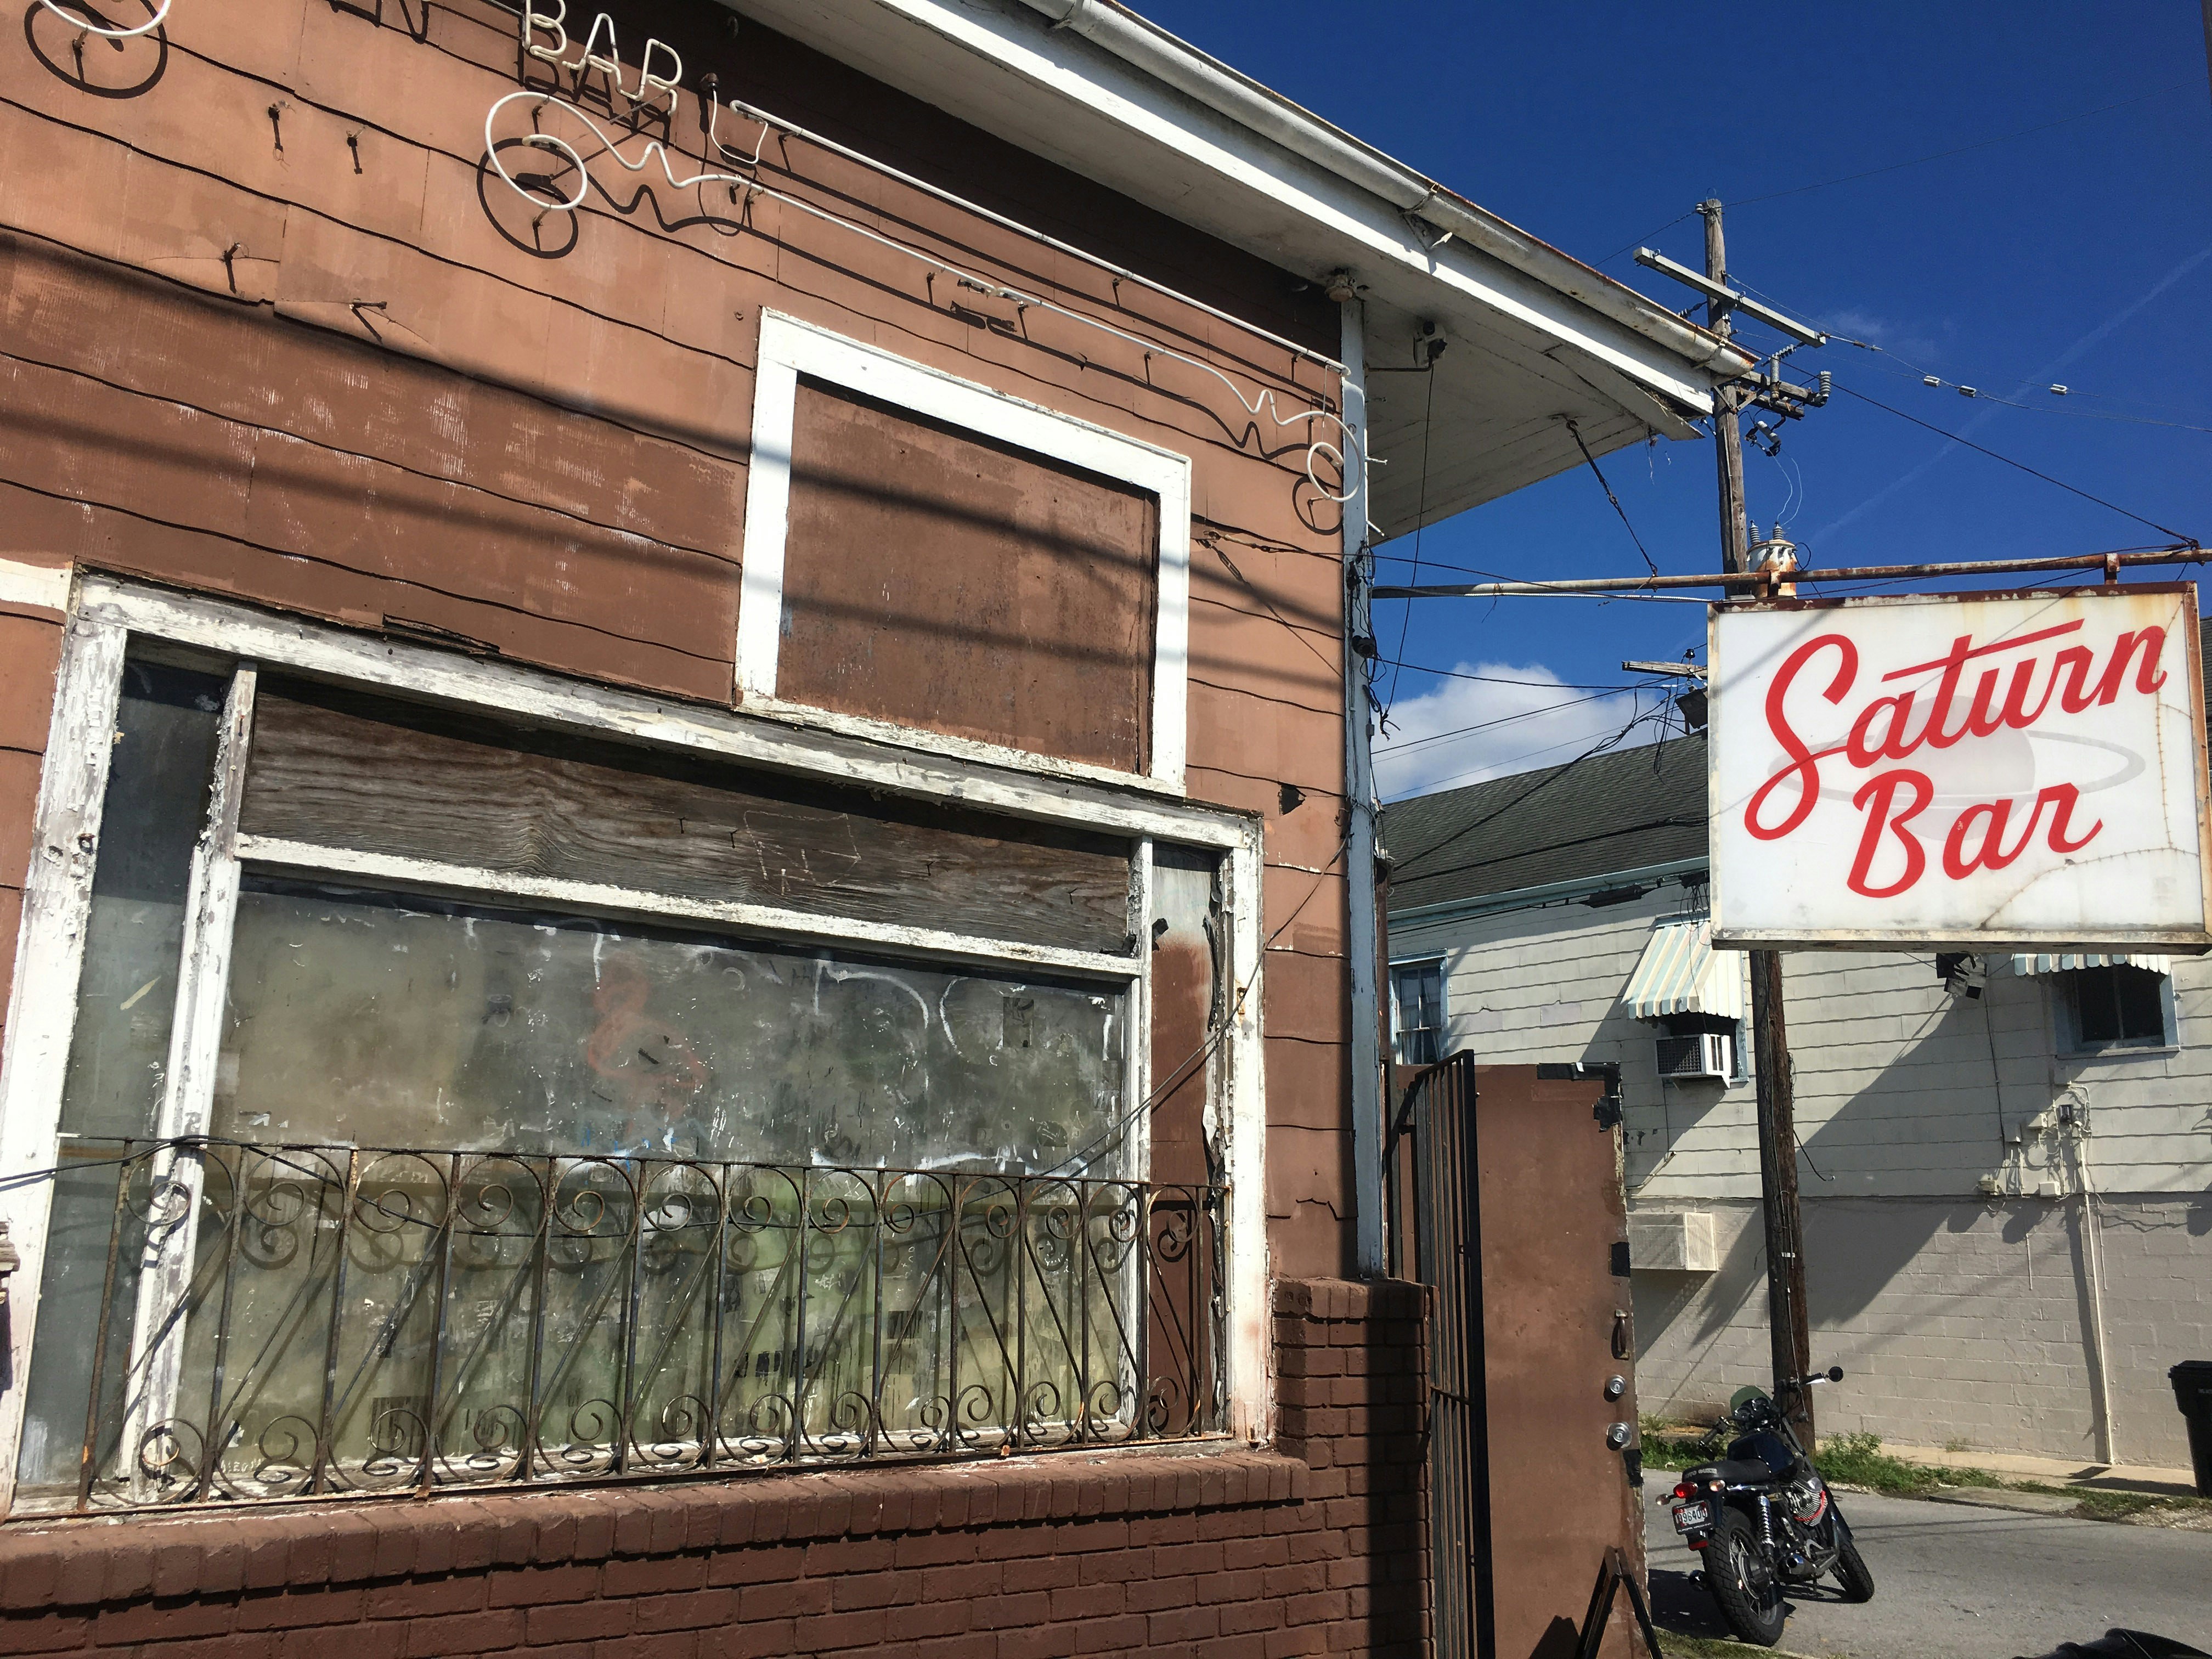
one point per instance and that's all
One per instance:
(1310, 1546)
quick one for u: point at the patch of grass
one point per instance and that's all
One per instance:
(1676, 1445)
(1857, 1460)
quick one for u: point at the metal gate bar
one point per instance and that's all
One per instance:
(1438, 1116)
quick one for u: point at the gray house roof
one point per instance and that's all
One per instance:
(1627, 810)
(1632, 809)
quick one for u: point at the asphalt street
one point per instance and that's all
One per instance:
(1959, 1582)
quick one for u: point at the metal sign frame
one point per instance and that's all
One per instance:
(2172, 940)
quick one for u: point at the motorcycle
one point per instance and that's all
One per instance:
(1763, 1519)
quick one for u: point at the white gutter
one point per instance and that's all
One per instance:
(1144, 45)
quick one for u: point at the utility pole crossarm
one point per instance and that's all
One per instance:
(1720, 294)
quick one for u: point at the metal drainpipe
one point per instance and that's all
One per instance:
(2100, 1382)
(1361, 930)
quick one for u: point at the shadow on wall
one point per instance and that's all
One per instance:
(1883, 1273)
(1691, 1316)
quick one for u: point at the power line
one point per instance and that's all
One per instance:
(2022, 465)
(1575, 432)
(1389, 752)
(1907, 369)
(1549, 778)
(1503, 679)
(1420, 524)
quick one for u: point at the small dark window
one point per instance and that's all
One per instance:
(2118, 1007)
(1418, 989)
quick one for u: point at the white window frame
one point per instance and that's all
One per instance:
(1398, 1027)
(111, 616)
(789, 349)
(2066, 1017)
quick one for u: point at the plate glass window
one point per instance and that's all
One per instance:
(554, 1108)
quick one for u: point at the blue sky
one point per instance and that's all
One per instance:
(2080, 253)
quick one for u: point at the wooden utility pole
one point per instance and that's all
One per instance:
(1789, 1333)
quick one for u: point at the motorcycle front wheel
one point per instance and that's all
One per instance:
(1850, 1568)
(1743, 1584)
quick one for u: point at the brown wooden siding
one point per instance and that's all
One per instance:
(244, 355)
(936, 579)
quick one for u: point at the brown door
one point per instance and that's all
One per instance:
(1557, 1330)
(1517, 1219)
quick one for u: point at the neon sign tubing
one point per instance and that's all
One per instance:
(161, 12)
(1263, 406)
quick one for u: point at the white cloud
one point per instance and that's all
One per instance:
(1514, 719)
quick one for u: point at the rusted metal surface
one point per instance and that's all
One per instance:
(1558, 1325)
(1519, 1221)
(2190, 554)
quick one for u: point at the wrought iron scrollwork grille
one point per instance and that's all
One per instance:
(359, 1320)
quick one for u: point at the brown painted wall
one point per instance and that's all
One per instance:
(1311, 1549)
(271, 332)
(30, 651)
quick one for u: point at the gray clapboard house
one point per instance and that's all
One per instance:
(2006, 1164)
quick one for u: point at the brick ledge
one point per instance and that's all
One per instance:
(80, 1560)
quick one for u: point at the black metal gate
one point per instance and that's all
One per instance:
(1432, 1147)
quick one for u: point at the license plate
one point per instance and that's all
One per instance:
(1690, 1516)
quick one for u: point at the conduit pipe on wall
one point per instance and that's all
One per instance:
(2100, 1382)
(1443, 213)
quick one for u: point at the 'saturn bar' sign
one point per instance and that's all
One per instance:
(1971, 769)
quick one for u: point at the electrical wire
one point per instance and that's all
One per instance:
(1575, 432)
(1907, 369)
(1091, 1150)
(2023, 466)
(1550, 777)
(1490, 769)
(1390, 751)
(1502, 679)
(1420, 524)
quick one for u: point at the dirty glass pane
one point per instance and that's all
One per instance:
(155, 808)
(372, 1019)
(550, 1276)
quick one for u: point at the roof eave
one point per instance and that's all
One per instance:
(1128, 105)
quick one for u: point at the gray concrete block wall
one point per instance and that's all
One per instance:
(1956, 1323)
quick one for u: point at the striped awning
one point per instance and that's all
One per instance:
(2024, 965)
(1681, 973)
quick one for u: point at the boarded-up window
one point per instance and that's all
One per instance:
(940, 580)
(338, 768)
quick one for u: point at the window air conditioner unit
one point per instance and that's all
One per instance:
(1706, 1054)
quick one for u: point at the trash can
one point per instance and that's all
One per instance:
(2192, 1392)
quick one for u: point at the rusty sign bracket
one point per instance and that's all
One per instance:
(1757, 582)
